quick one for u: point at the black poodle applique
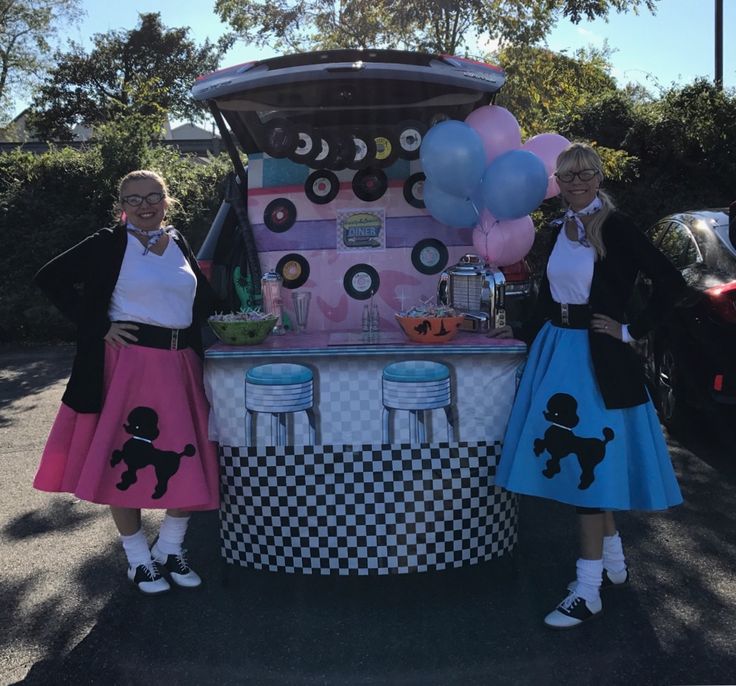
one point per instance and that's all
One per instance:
(559, 440)
(139, 452)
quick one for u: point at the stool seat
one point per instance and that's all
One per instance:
(413, 371)
(416, 386)
(279, 389)
(278, 374)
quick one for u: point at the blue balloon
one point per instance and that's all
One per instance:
(449, 209)
(453, 158)
(514, 184)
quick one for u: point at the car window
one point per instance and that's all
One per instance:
(657, 232)
(679, 245)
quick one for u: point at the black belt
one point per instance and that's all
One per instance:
(571, 316)
(150, 336)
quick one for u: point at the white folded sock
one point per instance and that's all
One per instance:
(589, 574)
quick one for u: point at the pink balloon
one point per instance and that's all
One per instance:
(497, 128)
(503, 242)
(547, 147)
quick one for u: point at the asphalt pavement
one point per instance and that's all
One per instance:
(68, 614)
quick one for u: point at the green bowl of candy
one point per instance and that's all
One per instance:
(240, 330)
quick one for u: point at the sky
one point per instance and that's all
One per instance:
(672, 47)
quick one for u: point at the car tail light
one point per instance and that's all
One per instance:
(723, 300)
(206, 268)
(718, 382)
(518, 278)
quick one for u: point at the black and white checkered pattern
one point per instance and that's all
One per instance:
(364, 509)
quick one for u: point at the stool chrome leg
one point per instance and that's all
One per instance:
(282, 429)
(421, 431)
(413, 430)
(450, 414)
(384, 423)
(249, 437)
(312, 426)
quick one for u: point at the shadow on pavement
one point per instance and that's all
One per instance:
(61, 516)
(25, 373)
(478, 625)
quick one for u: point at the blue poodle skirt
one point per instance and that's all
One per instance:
(562, 443)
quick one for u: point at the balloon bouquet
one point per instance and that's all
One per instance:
(478, 174)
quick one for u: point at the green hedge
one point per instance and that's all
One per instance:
(49, 202)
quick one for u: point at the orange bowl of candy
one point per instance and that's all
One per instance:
(430, 326)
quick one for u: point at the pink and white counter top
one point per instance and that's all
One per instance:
(350, 504)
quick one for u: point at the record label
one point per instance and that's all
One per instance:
(386, 150)
(361, 281)
(293, 269)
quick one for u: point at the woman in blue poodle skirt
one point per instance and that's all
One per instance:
(583, 430)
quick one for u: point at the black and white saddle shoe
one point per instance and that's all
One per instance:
(573, 611)
(177, 568)
(608, 580)
(148, 579)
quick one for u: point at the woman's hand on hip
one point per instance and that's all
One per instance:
(600, 323)
(120, 334)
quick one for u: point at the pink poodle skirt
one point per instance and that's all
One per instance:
(148, 447)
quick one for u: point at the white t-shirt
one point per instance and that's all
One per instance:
(154, 289)
(570, 271)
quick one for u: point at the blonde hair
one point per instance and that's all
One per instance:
(576, 157)
(138, 175)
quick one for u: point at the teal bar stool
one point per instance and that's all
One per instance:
(416, 386)
(278, 389)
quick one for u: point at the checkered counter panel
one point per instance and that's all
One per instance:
(364, 509)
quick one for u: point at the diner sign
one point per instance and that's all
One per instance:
(361, 229)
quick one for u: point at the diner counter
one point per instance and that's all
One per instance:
(347, 369)
(351, 504)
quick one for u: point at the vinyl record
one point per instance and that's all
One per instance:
(369, 184)
(280, 138)
(387, 149)
(360, 281)
(324, 145)
(365, 152)
(414, 190)
(342, 151)
(429, 256)
(279, 215)
(293, 269)
(308, 146)
(322, 186)
(411, 134)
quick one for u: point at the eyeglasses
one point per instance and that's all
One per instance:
(151, 199)
(583, 175)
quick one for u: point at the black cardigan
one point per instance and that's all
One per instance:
(618, 368)
(80, 282)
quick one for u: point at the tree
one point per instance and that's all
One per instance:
(147, 70)
(438, 26)
(545, 90)
(27, 28)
